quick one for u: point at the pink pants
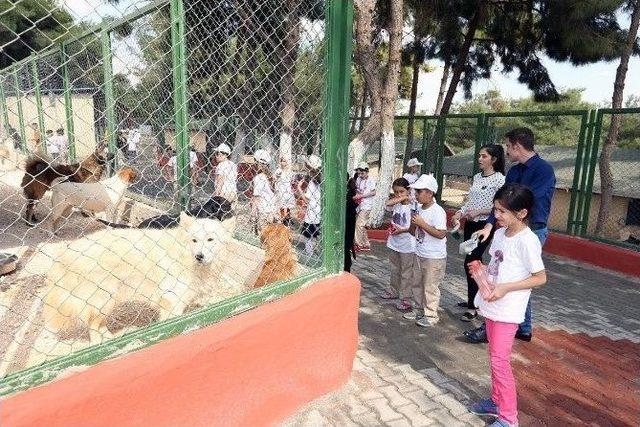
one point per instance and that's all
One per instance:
(503, 385)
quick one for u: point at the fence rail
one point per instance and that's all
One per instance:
(571, 140)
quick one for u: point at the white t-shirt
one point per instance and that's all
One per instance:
(229, 173)
(411, 177)
(512, 259)
(132, 140)
(365, 186)
(52, 145)
(428, 246)
(266, 203)
(481, 193)
(313, 195)
(404, 242)
(173, 163)
(284, 191)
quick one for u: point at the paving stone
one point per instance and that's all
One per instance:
(452, 404)
(424, 402)
(415, 415)
(395, 398)
(383, 410)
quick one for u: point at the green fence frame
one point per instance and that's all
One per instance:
(68, 103)
(338, 18)
(38, 95)
(18, 94)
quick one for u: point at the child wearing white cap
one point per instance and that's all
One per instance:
(312, 196)
(226, 174)
(365, 190)
(414, 168)
(429, 225)
(263, 202)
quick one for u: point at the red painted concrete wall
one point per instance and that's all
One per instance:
(253, 369)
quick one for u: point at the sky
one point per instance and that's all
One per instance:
(596, 79)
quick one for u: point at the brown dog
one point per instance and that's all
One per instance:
(280, 261)
(40, 173)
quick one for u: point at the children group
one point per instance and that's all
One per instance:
(508, 215)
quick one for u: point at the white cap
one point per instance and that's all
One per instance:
(262, 156)
(224, 148)
(363, 166)
(426, 182)
(314, 162)
(413, 162)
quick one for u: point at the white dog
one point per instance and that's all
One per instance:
(102, 196)
(163, 269)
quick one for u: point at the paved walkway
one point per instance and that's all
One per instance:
(582, 366)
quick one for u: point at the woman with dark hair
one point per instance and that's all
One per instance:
(350, 223)
(476, 210)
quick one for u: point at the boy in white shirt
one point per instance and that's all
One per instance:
(414, 169)
(263, 202)
(226, 175)
(429, 225)
(133, 138)
(365, 191)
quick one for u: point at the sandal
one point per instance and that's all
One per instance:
(403, 305)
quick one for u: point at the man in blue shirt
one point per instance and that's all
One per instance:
(538, 175)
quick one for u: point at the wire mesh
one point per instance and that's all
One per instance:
(621, 222)
(93, 211)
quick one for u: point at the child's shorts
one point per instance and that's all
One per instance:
(310, 230)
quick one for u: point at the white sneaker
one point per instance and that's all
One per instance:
(424, 322)
(413, 315)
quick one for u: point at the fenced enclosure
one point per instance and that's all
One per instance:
(571, 141)
(164, 168)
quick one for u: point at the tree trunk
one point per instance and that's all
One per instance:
(389, 97)
(606, 175)
(363, 106)
(443, 87)
(417, 61)
(288, 64)
(461, 60)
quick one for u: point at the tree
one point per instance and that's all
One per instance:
(516, 34)
(382, 81)
(19, 37)
(606, 176)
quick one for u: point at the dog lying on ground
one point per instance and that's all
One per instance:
(40, 173)
(96, 279)
(95, 197)
(280, 261)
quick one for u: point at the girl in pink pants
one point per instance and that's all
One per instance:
(515, 268)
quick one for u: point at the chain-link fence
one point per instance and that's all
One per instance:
(159, 158)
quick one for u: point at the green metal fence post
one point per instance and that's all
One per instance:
(38, 94)
(439, 153)
(576, 193)
(5, 108)
(480, 129)
(180, 100)
(339, 32)
(68, 105)
(592, 160)
(426, 130)
(23, 134)
(110, 115)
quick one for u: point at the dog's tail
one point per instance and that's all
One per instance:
(114, 224)
(35, 165)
